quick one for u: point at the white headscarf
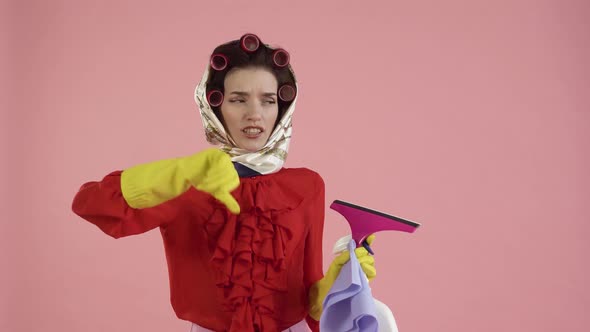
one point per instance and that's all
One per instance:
(271, 157)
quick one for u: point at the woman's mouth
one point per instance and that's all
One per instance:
(252, 132)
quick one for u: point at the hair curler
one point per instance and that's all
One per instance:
(218, 61)
(249, 43)
(280, 57)
(215, 98)
(364, 222)
(287, 92)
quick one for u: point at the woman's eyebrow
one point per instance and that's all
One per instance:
(242, 93)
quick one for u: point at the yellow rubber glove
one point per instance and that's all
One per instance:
(153, 183)
(320, 289)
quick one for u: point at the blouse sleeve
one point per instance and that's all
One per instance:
(313, 253)
(102, 203)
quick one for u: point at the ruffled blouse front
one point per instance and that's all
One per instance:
(250, 251)
(254, 253)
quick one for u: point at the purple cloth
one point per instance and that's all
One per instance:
(349, 305)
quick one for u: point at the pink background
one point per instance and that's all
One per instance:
(471, 117)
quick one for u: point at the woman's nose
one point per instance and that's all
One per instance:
(254, 112)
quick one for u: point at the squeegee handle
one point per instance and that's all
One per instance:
(368, 247)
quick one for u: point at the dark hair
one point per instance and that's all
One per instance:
(238, 58)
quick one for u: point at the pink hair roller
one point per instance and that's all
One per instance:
(215, 98)
(249, 43)
(280, 57)
(287, 92)
(218, 61)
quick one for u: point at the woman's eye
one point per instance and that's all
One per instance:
(270, 102)
(236, 101)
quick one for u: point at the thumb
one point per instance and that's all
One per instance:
(228, 200)
(370, 239)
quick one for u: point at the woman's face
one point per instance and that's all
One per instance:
(250, 107)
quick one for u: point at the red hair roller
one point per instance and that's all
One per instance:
(280, 57)
(218, 61)
(249, 43)
(287, 92)
(215, 98)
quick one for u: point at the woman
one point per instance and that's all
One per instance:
(242, 234)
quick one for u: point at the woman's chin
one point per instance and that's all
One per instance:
(250, 147)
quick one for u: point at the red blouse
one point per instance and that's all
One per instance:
(246, 273)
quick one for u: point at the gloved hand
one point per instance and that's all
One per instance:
(320, 289)
(153, 183)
